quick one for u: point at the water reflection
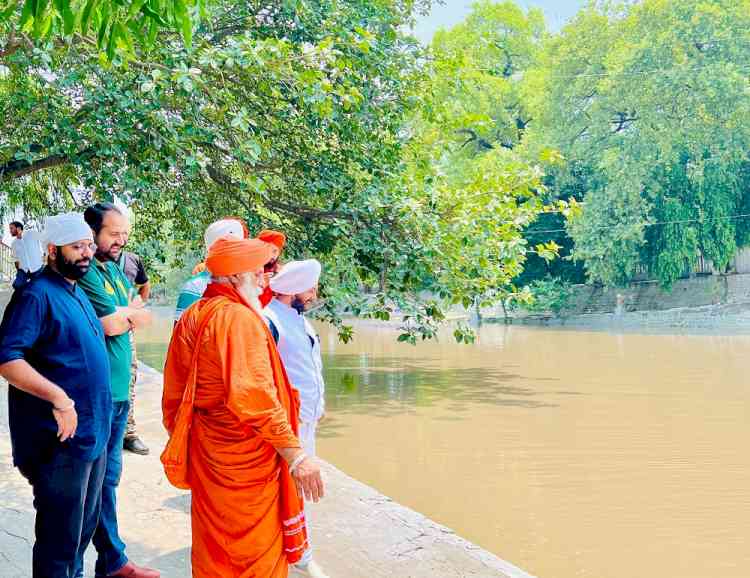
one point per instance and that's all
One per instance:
(357, 383)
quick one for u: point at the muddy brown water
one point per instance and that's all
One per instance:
(572, 454)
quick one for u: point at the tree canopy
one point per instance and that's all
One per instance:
(423, 177)
(649, 104)
(315, 118)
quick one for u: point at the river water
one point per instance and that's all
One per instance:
(572, 454)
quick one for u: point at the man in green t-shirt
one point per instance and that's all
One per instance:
(109, 292)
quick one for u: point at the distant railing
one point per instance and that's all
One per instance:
(7, 264)
(700, 266)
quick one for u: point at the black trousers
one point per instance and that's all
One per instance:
(67, 500)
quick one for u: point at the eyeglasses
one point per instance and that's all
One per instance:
(83, 247)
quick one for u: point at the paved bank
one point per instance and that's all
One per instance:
(358, 532)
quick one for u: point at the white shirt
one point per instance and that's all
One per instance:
(28, 251)
(299, 348)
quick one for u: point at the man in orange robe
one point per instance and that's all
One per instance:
(233, 420)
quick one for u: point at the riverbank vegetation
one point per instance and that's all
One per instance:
(423, 177)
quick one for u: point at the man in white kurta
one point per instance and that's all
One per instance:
(295, 290)
(28, 253)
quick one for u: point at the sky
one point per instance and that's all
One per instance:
(451, 12)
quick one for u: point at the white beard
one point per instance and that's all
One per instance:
(255, 304)
(251, 294)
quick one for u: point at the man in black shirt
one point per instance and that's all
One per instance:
(133, 268)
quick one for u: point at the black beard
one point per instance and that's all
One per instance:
(268, 267)
(72, 270)
(108, 256)
(298, 305)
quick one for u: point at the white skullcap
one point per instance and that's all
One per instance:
(66, 229)
(223, 228)
(296, 277)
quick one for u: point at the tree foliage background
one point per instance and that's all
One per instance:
(308, 117)
(423, 177)
(649, 103)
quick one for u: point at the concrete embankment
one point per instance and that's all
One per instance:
(357, 532)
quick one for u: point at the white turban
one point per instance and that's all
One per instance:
(223, 228)
(296, 277)
(66, 229)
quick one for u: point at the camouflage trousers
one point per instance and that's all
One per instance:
(130, 431)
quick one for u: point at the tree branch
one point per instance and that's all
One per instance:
(14, 44)
(305, 212)
(622, 121)
(20, 167)
(474, 137)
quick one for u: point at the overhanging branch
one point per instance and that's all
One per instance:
(18, 168)
(224, 180)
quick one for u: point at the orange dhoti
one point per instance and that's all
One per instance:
(247, 518)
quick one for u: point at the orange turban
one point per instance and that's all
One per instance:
(234, 256)
(273, 237)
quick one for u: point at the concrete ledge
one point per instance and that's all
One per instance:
(357, 532)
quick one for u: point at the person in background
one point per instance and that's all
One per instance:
(52, 353)
(28, 253)
(242, 459)
(295, 289)
(277, 241)
(132, 267)
(193, 289)
(108, 290)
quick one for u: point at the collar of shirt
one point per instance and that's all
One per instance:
(287, 311)
(58, 279)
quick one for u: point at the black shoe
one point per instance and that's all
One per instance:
(135, 445)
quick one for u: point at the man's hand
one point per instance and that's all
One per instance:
(26, 378)
(140, 317)
(322, 417)
(67, 422)
(309, 481)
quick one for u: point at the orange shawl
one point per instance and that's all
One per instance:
(246, 511)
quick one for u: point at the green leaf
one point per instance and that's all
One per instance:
(46, 24)
(155, 16)
(27, 15)
(124, 41)
(153, 31)
(88, 12)
(112, 43)
(103, 26)
(69, 19)
(183, 20)
(42, 18)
